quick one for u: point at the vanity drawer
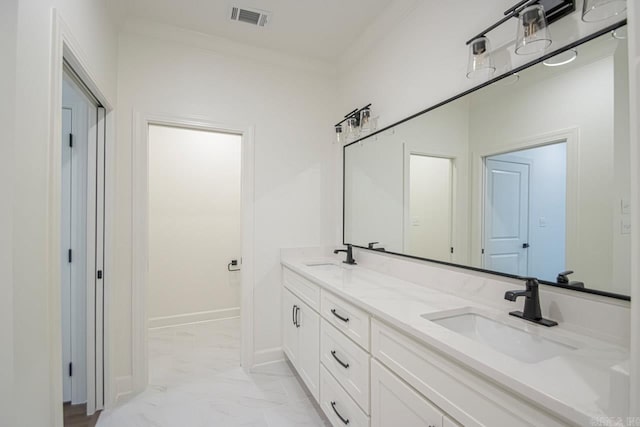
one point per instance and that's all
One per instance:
(304, 289)
(348, 363)
(349, 319)
(469, 398)
(337, 405)
(393, 403)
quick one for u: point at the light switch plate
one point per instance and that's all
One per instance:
(625, 226)
(625, 206)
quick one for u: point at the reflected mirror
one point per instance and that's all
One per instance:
(522, 177)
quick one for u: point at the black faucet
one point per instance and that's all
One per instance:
(349, 252)
(564, 280)
(532, 310)
(372, 246)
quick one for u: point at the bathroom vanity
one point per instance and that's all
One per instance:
(375, 350)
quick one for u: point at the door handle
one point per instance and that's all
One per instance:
(344, 365)
(297, 318)
(293, 314)
(344, 319)
(344, 420)
(525, 245)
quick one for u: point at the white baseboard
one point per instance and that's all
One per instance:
(270, 355)
(124, 388)
(191, 318)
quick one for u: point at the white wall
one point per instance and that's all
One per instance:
(8, 27)
(414, 55)
(194, 225)
(634, 71)
(622, 171)
(34, 328)
(290, 106)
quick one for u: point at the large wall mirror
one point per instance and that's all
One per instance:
(526, 176)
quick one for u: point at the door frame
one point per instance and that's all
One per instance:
(65, 47)
(571, 136)
(140, 233)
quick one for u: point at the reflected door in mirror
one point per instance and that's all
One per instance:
(428, 227)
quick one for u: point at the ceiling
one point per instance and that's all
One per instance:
(314, 29)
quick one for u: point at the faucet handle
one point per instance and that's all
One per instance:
(532, 282)
(562, 277)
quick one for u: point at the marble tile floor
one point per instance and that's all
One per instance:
(195, 380)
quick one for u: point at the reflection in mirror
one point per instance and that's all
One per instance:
(530, 178)
(525, 211)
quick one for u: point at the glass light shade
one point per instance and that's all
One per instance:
(533, 33)
(339, 136)
(352, 128)
(480, 65)
(599, 10)
(365, 120)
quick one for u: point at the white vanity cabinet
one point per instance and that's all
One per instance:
(301, 339)
(364, 372)
(393, 403)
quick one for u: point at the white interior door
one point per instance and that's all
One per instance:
(82, 235)
(95, 265)
(506, 217)
(430, 207)
(65, 265)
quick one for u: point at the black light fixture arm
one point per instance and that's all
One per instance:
(355, 113)
(513, 12)
(521, 4)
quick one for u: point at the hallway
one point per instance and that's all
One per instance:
(195, 381)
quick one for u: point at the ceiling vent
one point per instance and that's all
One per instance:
(256, 17)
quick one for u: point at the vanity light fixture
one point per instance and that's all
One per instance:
(562, 58)
(533, 33)
(339, 136)
(356, 122)
(480, 64)
(599, 10)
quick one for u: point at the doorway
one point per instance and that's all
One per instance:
(194, 276)
(525, 211)
(82, 246)
(429, 227)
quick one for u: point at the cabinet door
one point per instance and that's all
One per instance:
(309, 348)
(395, 404)
(289, 328)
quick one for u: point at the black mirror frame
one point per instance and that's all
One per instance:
(460, 95)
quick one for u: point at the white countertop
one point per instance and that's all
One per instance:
(574, 385)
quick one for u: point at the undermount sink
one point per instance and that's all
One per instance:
(326, 266)
(506, 339)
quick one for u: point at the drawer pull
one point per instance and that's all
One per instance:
(344, 420)
(344, 365)
(344, 319)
